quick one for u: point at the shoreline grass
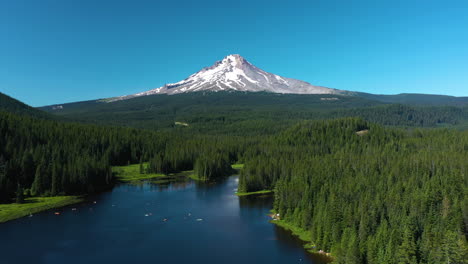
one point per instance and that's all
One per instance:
(297, 231)
(262, 192)
(131, 173)
(237, 166)
(34, 205)
(194, 177)
(303, 235)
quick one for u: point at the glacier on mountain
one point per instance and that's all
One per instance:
(236, 73)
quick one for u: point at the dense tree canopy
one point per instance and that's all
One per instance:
(47, 157)
(50, 158)
(213, 165)
(369, 194)
(251, 114)
(364, 191)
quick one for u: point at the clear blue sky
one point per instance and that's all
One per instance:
(55, 51)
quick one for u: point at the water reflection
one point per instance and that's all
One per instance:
(173, 184)
(256, 202)
(152, 222)
(160, 184)
(287, 238)
(251, 208)
(205, 190)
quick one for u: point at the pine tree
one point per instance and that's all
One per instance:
(20, 194)
(38, 187)
(56, 181)
(407, 250)
(142, 169)
(453, 249)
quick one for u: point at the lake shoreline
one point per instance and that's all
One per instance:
(123, 174)
(129, 175)
(34, 205)
(303, 235)
(262, 192)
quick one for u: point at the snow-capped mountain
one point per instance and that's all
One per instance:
(236, 73)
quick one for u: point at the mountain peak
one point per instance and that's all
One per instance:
(229, 62)
(234, 72)
(234, 59)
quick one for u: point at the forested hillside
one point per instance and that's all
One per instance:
(251, 113)
(417, 99)
(9, 104)
(48, 158)
(366, 193)
(51, 158)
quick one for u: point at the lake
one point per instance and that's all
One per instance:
(179, 222)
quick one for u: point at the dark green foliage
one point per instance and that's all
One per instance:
(8, 181)
(51, 158)
(11, 105)
(377, 196)
(40, 184)
(367, 193)
(417, 99)
(19, 194)
(141, 167)
(405, 115)
(238, 113)
(212, 165)
(182, 154)
(159, 164)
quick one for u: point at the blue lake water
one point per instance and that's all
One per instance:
(180, 222)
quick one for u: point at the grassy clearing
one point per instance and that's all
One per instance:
(237, 166)
(254, 193)
(132, 173)
(34, 205)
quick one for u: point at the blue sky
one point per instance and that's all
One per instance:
(55, 51)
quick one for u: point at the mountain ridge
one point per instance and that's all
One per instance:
(235, 73)
(14, 106)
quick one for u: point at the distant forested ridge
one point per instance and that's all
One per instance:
(243, 113)
(417, 99)
(366, 193)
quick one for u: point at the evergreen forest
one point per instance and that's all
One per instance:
(368, 182)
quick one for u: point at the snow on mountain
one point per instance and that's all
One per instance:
(236, 73)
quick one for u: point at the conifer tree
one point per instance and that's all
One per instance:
(20, 194)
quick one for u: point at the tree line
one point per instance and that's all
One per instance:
(366, 193)
(47, 158)
(41, 157)
(240, 113)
